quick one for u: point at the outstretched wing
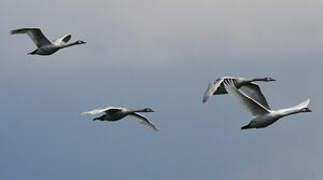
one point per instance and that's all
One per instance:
(35, 34)
(98, 111)
(253, 91)
(63, 39)
(251, 105)
(143, 120)
(213, 86)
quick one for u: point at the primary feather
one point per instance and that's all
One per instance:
(35, 35)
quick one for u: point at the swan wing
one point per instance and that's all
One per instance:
(98, 111)
(255, 108)
(63, 39)
(253, 91)
(35, 34)
(213, 86)
(143, 120)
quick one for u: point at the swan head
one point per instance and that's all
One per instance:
(269, 79)
(148, 110)
(80, 42)
(306, 110)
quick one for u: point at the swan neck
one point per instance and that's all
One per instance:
(68, 45)
(136, 110)
(258, 79)
(287, 112)
(140, 110)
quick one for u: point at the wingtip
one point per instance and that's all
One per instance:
(204, 100)
(16, 31)
(23, 30)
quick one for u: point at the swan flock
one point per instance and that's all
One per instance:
(244, 90)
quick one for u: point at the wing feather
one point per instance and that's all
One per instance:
(98, 111)
(249, 104)
(35, 34)
(143, 120)
(253, 91)
(211, 89)
(63, 39)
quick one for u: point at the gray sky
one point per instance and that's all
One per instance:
(159, 54)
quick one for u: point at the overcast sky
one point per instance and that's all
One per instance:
(160, 54)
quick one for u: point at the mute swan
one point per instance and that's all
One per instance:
(244, 84)
(117, 113)
(262, 116)
(46, 47)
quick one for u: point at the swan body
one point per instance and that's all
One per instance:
(262, 116)
(44, 46)
(116, 113)
(246, 85)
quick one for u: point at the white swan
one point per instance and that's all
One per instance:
(246, 85)
(117, 113)
(262, 116)
(46, 47)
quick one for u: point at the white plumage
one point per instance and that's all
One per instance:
(262, 116)
(112, 113)
(45, 46)
(246, 85)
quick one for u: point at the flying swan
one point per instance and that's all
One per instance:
(246, 85)
(46, 47)
(263, 116)
(117, 113)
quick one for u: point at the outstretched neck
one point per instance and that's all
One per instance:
(68, 45)
(137, 110)
(257, 79)
(289, 111)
